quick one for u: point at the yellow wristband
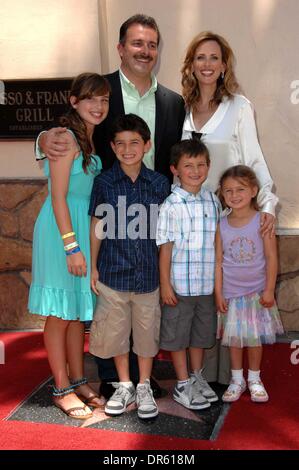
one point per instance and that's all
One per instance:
(67, 235)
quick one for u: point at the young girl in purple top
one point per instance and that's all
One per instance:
(246, 270)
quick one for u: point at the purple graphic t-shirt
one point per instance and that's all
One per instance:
(244, 264)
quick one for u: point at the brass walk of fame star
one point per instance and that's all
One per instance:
(166, 405)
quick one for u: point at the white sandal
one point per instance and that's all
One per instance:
(257, 391)
(234, 391)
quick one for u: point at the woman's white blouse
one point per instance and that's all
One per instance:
(231, 137)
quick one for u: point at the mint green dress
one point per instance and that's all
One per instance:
(54, 291)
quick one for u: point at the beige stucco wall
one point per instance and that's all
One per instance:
(44, 39)
(39, 38)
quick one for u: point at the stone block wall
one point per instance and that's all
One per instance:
(287, 287)
(20, 202)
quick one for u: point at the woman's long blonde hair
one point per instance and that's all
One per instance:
(226, 86)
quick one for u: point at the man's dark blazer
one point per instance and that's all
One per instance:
(170, 114)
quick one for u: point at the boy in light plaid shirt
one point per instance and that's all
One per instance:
(185, 233)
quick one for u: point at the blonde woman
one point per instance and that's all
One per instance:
(224, 120)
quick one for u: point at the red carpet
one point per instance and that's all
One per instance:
(25, 367)
(274, 425)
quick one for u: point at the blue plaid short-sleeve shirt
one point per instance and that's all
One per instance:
(128, 257)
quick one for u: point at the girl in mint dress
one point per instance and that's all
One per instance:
(60, 288)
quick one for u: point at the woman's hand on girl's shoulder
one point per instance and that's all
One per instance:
(267, 224)
(76, 264)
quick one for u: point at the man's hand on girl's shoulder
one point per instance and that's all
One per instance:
(57, 142)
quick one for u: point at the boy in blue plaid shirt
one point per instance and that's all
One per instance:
(185, 233)
(124, 264)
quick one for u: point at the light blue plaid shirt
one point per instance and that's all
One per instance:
(190, 222)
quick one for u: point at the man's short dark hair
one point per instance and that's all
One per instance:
(144, 20)
(132, 123)
(190, 148)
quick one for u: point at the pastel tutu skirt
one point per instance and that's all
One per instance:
(247, 323)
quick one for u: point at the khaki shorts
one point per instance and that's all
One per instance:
(117, 315)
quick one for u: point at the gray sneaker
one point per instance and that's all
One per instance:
(146, 405)
(121, 398)
(204, 388)
(190, 397)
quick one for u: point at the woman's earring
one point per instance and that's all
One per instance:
(222, 75)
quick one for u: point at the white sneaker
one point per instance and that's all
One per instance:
(204, 387)
(121, 398)
(146, 405)
(190, 397)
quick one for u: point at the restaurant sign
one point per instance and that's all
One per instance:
(29, 106)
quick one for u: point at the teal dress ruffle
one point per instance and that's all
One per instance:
(54, 291)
